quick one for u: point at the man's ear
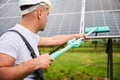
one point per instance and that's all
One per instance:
(39, 11)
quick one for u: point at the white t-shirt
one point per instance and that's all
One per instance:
(12, 44)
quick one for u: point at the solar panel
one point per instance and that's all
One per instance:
(66, 15)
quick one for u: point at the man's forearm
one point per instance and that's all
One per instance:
(17, 72)
(56, 40)
(59, 40)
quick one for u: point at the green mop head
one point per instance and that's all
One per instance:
(99, 29)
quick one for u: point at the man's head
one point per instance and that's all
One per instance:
(38, 10)
(28, 6)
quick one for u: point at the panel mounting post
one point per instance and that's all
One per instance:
(109, 51)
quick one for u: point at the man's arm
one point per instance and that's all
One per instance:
(10, 72)
(58, 40)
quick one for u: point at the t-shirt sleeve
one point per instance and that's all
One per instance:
(9, 44)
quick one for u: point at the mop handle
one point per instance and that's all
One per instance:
(74, 43)
(82, 17)
(91, 31)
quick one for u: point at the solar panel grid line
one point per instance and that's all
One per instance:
(12, 12)
(67, 13)
(118, 3)
(60, 26)
(101, 22)
(50, 27)
(77, 7)
(10, 3)
(104, 3)
(85, 12)
(69, 7)
(9, 10)
(93, 13)
(56, 24)
(103, 37)
(65, 25)
(111, 24)
(13, 1)
(118, 18)
(58, 7)
(5, 17)
(100, 11)
(67, 20)
(4, 4)
(89, 20)
(116, 23)
(52, 24)
(98, 18)
(96, 2)
(63, 5)
(69, 29)
(114, 18)
(2, 1)
(71, 19)
(2, 11)
(5, 27)
(103, 16)
(5, 12)
(11, 17)
(62, 19)
(114, 6)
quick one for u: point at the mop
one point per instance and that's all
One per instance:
(75, 43)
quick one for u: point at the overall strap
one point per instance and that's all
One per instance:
(27, 44)
(39, 74)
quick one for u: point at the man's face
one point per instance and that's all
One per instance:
(44, 19)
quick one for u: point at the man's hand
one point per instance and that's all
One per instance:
(43, 61)
(81, 35)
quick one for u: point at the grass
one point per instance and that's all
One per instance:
(84, 63)
(82, 66)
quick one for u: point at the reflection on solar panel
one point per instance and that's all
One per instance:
(65, 17)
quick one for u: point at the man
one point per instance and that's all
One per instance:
(16, 62)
